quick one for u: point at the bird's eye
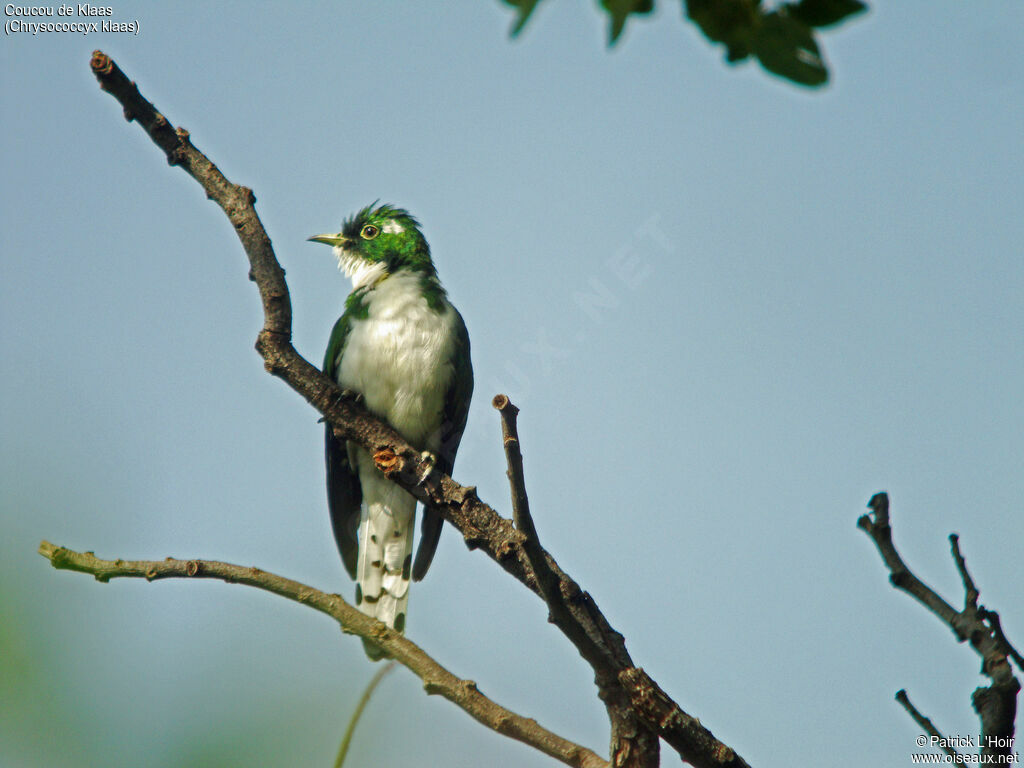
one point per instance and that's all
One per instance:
(369, 232)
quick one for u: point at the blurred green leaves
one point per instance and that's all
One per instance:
(824, 13)
(619, 11)
(523, 10)
(782, 38)
(786, 47)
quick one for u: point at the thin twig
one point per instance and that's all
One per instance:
(926, 724)
(899, 575)
(363, 701)
(970, 590)
(549, 584)
(436, 679)
(514, 457)
(630, 743)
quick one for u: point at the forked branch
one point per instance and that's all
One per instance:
(639, 711)
(996, 704)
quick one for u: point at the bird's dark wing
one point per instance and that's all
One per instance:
(344, 493)
(453, 424)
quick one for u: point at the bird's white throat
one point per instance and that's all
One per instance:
(360, 271)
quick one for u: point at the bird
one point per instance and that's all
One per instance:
(402, 348)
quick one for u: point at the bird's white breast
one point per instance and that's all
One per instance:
(400, 357)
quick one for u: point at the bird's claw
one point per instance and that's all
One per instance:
(347, 394)
(353, 395)
(428, 475)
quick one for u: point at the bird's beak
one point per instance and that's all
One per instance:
(332, 240)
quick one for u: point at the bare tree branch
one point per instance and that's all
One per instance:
(631, 744)
(634, 733)
(926, 724)
(899, 575)
(996, 705)
(547, 581)
(681, 731)
(436, 679)
(516, 478)
(992, 618)
(970, 590)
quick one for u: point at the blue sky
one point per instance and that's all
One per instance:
(731, 311)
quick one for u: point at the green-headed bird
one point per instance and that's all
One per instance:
(404, 349)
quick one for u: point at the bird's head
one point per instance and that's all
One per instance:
(379, 241)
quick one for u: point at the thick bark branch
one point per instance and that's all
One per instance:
(481, 527)
(996, 705)
(436, 679)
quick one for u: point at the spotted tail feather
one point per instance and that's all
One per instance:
(385, 555)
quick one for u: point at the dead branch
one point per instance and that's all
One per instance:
(926, 724)
(436, 679)
(634, 731)
(996, 704)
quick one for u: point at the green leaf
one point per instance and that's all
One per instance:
(730, 22)
(619, 11)
(524, 8)
(786, 47)
(824, 13)
(781, 37)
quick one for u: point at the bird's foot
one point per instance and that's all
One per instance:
(347, 394)
(353, 395)
(429, 477)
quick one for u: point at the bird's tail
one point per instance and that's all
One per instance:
(385, 555)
